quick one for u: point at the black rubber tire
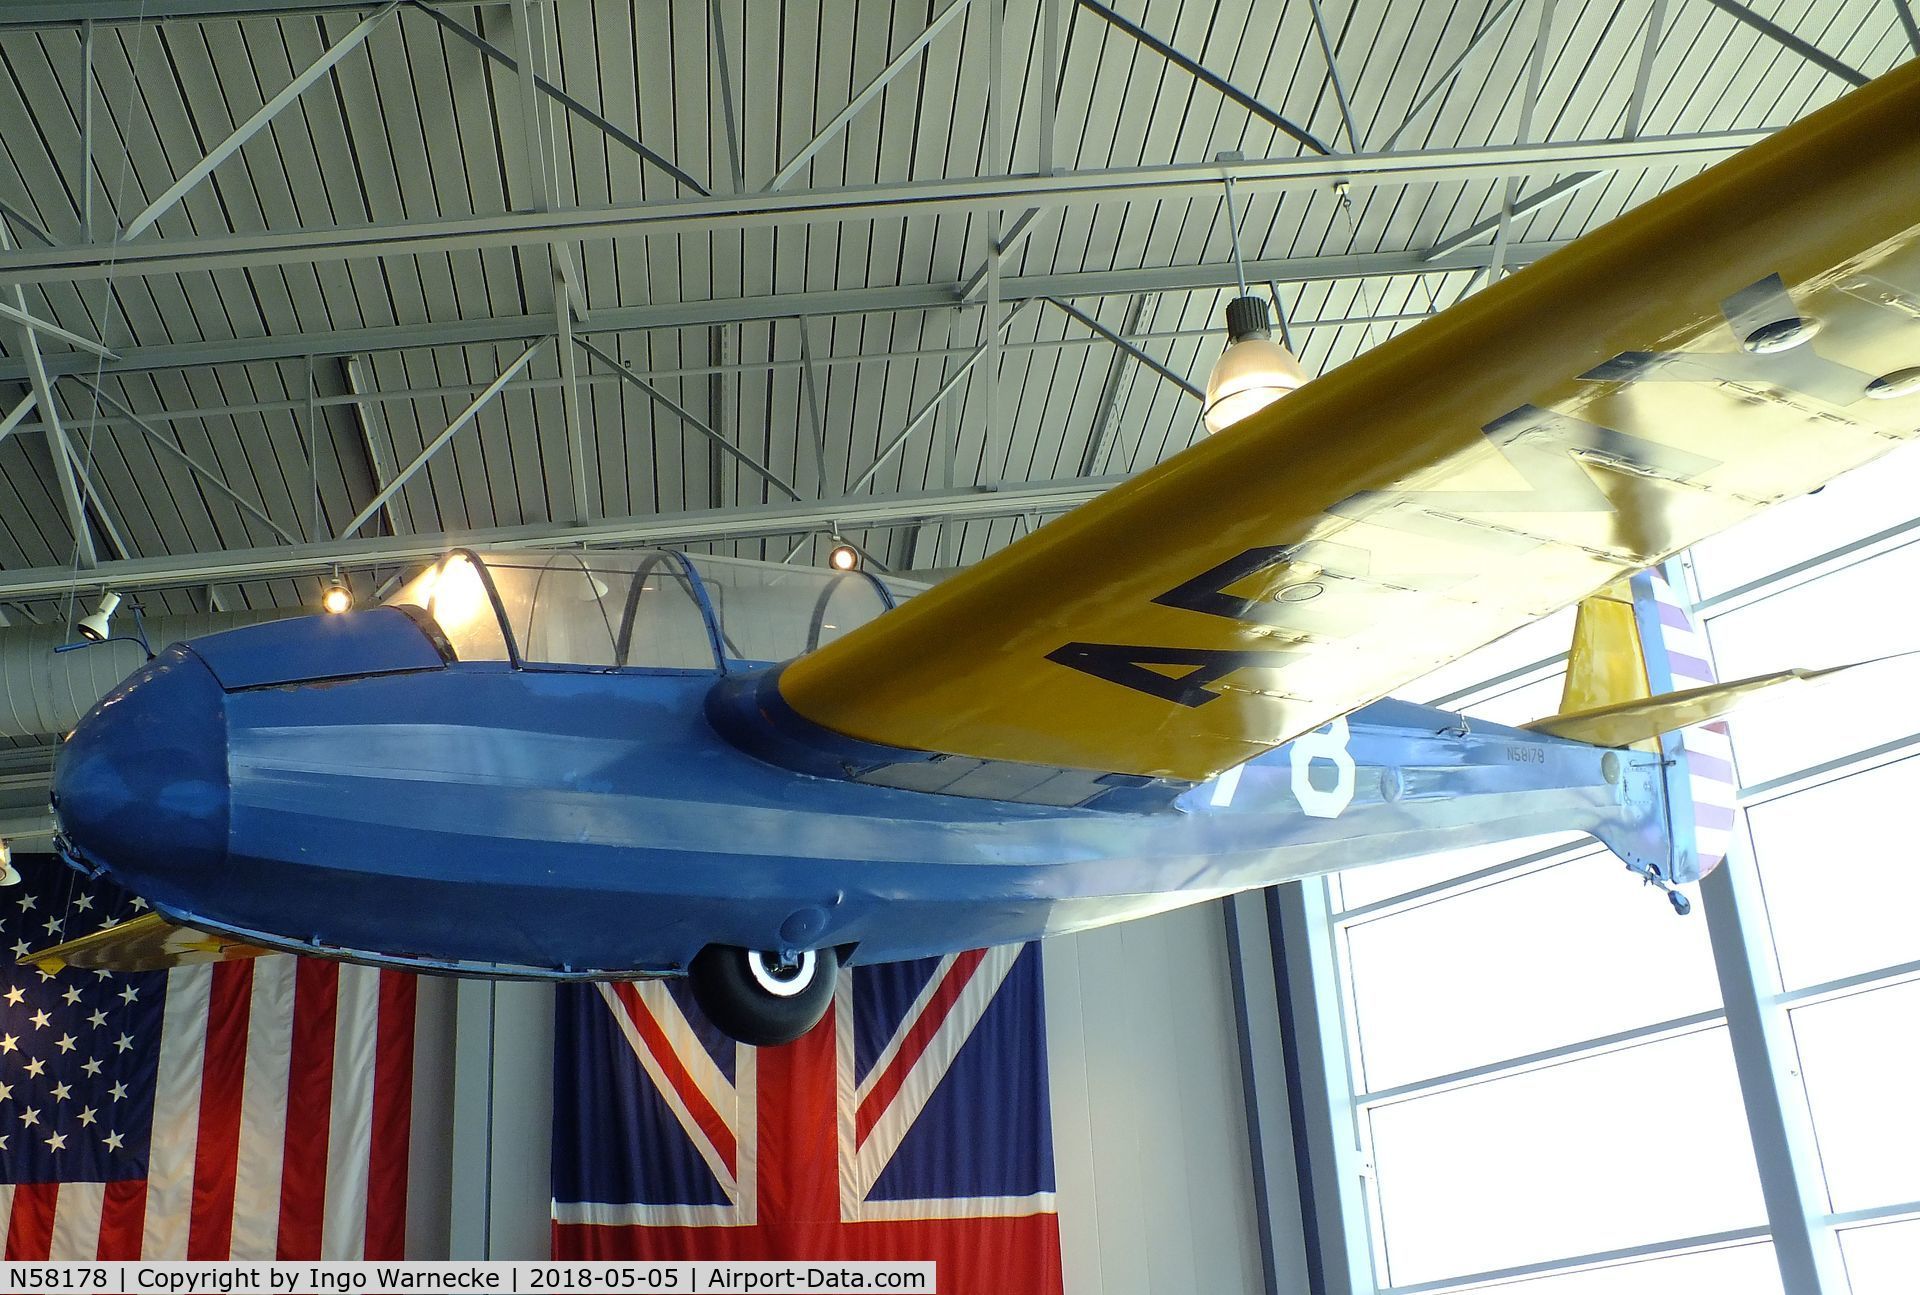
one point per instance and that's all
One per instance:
(724, 985)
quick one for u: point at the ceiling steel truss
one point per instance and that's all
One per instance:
(1017, 189)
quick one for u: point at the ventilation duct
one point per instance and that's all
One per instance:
(44, 693)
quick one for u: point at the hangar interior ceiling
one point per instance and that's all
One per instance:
(287, 288)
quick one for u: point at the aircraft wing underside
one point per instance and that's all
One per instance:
(1736, 341)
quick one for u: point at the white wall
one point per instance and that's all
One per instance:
(1150, 1132)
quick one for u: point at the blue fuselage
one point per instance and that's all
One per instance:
(500, 820)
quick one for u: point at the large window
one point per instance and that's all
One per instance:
(1543, 1077)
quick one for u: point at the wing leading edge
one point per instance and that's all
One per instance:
(1732, 343)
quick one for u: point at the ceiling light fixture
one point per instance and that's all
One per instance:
(97, 627)
(843, 556)
(338, 597)
(1254, 370)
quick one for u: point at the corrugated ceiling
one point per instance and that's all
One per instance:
(418, 124)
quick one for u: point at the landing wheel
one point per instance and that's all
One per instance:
(760, 998)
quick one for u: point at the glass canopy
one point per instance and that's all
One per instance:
(648, 608)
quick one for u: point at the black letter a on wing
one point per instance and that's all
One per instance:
(1127, 666)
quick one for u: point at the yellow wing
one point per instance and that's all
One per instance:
(147, 943)
(1734, 342)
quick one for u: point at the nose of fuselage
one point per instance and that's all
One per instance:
(140, 787)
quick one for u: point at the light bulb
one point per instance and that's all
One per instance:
(338, 598)
(844, 557)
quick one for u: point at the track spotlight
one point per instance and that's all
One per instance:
(95, 628)
(843, 557)
(337, 598)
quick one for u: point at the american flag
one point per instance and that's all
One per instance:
(911, 1124)
(255, 1109)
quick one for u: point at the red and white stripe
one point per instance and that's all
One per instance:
(282, 1120)
(1709, 752)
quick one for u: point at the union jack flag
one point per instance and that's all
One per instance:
(912, 1123)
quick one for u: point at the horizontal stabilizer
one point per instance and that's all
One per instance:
(147, 943)
(1625, 723)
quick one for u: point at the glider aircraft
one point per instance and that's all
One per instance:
(589, 765)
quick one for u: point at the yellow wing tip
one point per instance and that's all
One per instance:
(149, 942)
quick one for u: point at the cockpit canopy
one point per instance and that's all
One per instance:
(648, 608)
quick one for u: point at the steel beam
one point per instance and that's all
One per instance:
(570, 409)
(72, 13)
(41, 326)
(1003, 249)
(1907, 23)
(362, 396)
(87, 96)
(735, 166)
(1446, 78)
(692, 314)
(1332, 1169)
(925, 411)
(115, 540)
(1209, 78)
(827, 133)
(57, 444)
(809, 378)
(624, 138)
(1333, 75)
(786, 518)
(1529, 101)
(200, 469)
(1643, 77)
(1553, 193)
(716, 420)
(1804, 48)
(537, 147)
(379, 464)
(686, 416)
(27, 223)
(11, 419)
(434, 446)
(1052, 61)
(1121, 341)
(1764, 1058)
(247, 129)
(1110, 391)
(893, 199)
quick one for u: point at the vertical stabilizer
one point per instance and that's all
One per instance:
(1606, 664)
